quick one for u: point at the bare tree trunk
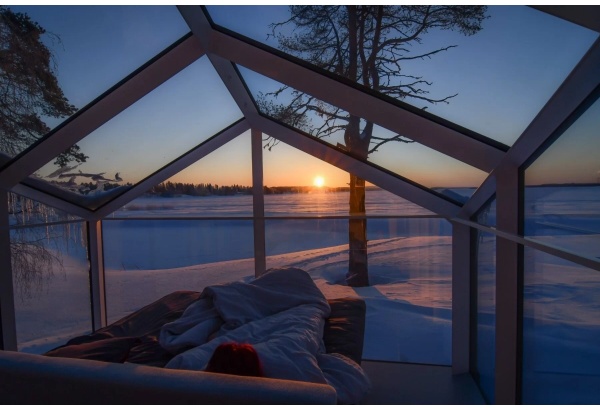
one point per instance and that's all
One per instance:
(358, 270)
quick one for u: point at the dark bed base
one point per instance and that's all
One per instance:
(134, 339)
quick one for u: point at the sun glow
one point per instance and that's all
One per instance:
(319, 181)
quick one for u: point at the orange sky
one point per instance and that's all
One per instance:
(283, 166)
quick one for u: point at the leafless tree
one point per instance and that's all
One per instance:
(369, 45)
(29, 92)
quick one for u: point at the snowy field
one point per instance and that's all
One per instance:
(409, 302)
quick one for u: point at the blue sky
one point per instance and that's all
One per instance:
(503, 76)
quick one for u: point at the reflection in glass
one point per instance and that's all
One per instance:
(146, 260)
(494, 61)
(562, 189)
(486, 303)
(172, 119)
(25, 211)
(220, 184)
(51, 285)
(398, 154)
(405, 293)
(561, 329)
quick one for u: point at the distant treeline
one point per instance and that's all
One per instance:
(301, 189)
(169, 189)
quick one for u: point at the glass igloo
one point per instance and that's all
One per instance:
(200, 149)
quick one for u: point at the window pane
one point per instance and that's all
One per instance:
(220, 184)
(172, 119)
(487, 215)
(410, 263)
(146, 260)
(561, 329)
(25, 211)
(298, 184)
(562, 193)
(517, 49)
(51, 285)
(399, 154)
(93, 48)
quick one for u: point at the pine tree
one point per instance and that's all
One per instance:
(29, 87)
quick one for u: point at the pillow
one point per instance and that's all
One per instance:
(115, 350)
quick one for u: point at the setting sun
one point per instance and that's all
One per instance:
(319, 181)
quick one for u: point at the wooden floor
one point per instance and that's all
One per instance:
(400, 383)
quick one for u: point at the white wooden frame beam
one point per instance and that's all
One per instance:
(97, 279)
(461, 298)
(8, 326)
(173, 168)
(578, 258)
(343, 161)
(586, 16)
(582, 81)
(101, 111)
(508, 289)
(258, 203)
(200, 26)
(52, 201)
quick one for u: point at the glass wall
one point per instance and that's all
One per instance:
(193, 230)
(51, 284)
(561, 329)
(409, 297)
(486, 304)
(562, 193)
(561, 325)
(145, 260)
(26, 211)
(297, 184)
(219, 184)
(407, 249)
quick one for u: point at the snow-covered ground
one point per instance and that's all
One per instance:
(409, 304)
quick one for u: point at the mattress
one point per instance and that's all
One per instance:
(134, 338)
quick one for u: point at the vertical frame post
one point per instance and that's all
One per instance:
(258, 202)
(461, 297)
(8, 324)
(97, 288)
(508, 286)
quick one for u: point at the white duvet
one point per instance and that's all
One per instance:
(282, 314)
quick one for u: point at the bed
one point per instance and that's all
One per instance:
(175, 335)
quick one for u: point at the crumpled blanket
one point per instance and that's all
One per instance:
(282, 314)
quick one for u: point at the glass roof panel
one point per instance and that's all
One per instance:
(298, 184)
(399, 155)
(175, 117)
(91, 49)
(220, 184)
(499, 78)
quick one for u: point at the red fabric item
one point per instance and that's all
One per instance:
(235, 358)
